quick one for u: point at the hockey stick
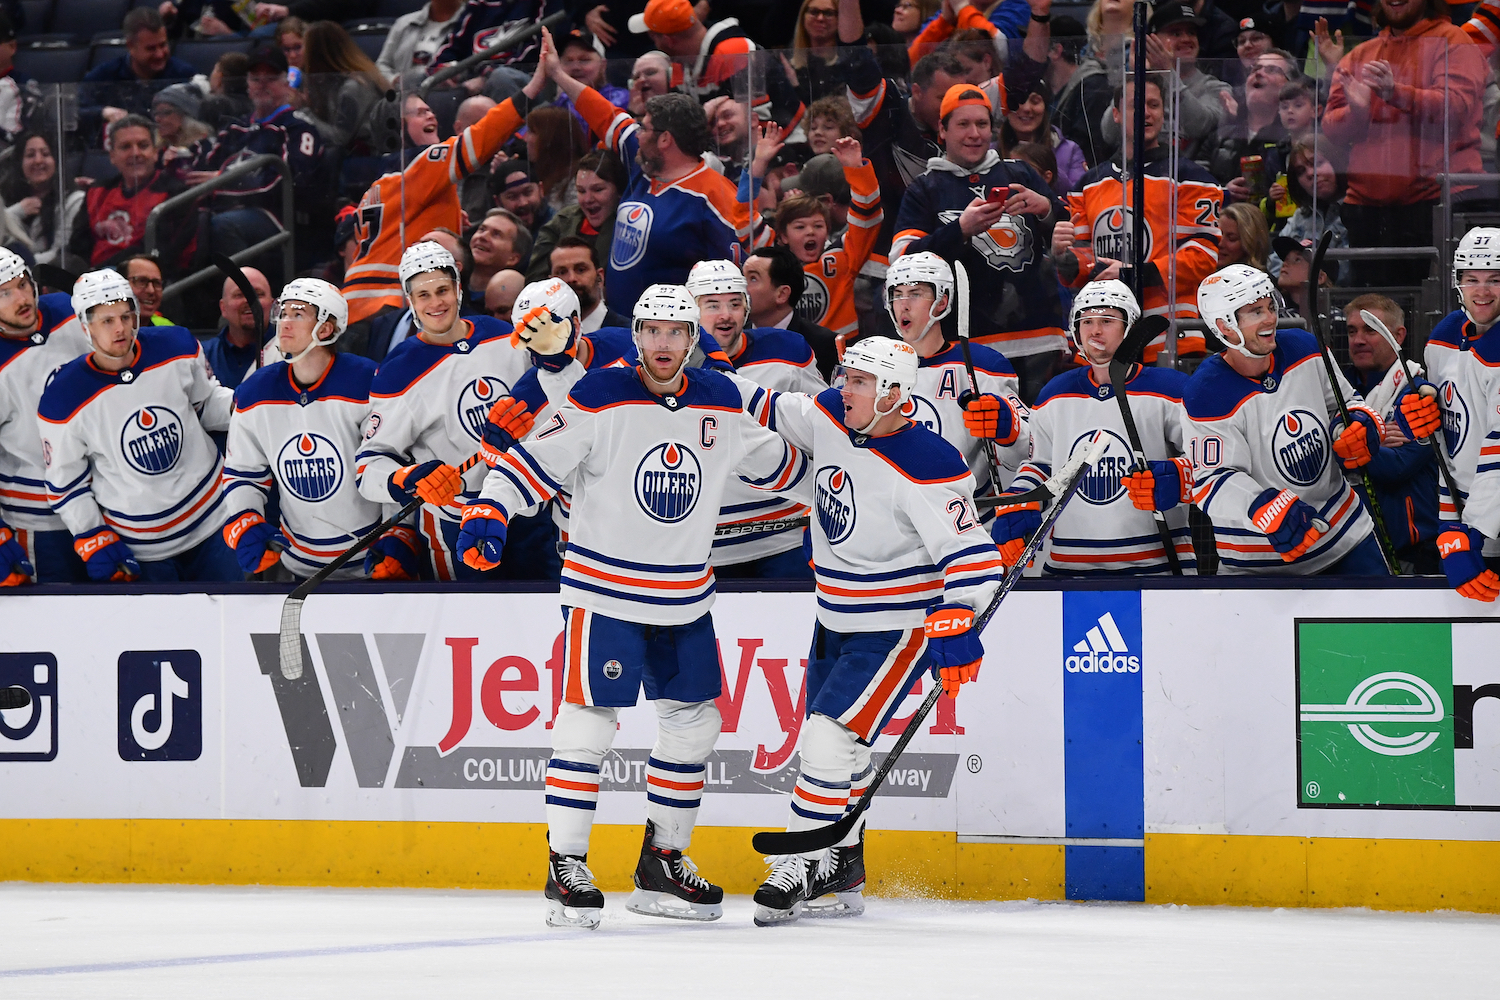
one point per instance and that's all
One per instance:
(1375, 323)
(54, 277)
(1387, 549)
(291, 608)
(1143, 332)
(775, 842)
(236, 274)
(961, 286)
(14, 697)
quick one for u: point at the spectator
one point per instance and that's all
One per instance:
(202, 19)
(175, 110)
(124, 85)
(729, 126)
(598, 182)
(500, 242)
(473, 187)
(1029, 120)
(955, 19)
(829, 120)
(890, 51)
(341, 85)
(1080, 90)
(1252, 40)
(576, 261)
(1316, 186)
(228, 95)
(1244, 238)
(1404, 472)
(480, 24)
(1217, 30)
(1256, 132)
(518, 192)
(113, 224)
(708, 57)
(236, 351)
(415, 38)
(345, 245)
(1108, 25)
(20, 95)
(555, 141)
(981, 52)
(1297, 107)
(31, 189)
(1042, 159)
(651, 76)
(500, 293)
(144, 275)
(308, 11)
(291, 35)
(775, 282)
(909, 17)
(583, 57)
(1296, 264)
(815, 51)
(1408, 105)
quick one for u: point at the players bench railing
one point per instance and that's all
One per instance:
(282, 239)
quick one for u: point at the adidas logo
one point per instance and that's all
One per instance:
(1102, 651)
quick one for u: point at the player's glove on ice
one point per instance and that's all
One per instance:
(1014, 524)
(1286, 521)
(1358, 443)
(989, 416)
(1161, 485)
(251, 537)
(481, 536)
(953, 645)
(105, 556)
(435, 482)
(395, 555)
(1460, 547)
(1418, 416)
(13, 562)
(508, 422)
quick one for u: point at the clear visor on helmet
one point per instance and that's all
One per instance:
(1474, 281)
(665, 335)
(912, 293)
(106, 317)
(856, 382)
(296, 315)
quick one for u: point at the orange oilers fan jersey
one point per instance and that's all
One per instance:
(400, 208)
(1186, 242)
(828, 299)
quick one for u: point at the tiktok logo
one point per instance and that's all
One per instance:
(161, 705)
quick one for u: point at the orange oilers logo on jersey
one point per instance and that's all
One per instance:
(921, 411)
(1300, 447)
(152, 440)
(1113, 231)
(474, 403)
(834, 489)
(311, 467)
(632, 231)
(1455, 418)
(1101, 484)
(1005, 246)
(668, 482)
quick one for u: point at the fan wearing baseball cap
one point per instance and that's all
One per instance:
(705, 58)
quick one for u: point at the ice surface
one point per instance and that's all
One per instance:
(209, 942)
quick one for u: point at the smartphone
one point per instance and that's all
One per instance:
(998, 194)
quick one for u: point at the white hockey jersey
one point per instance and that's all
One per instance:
(1482, 509)
(941, 380)
(1247, 436)
(894, 530)
(1101, 531)
(26, 366)
(131, 448)
(648, 481)
(1464, 382)
(303, 442)
(430, 403)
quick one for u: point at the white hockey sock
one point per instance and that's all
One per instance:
(686, 733)
(859, 782)
(581, 736)
(821, 795)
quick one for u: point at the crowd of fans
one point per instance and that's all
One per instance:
(836, 135)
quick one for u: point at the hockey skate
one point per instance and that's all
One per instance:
(667, 884)
(572, 898)
(780, 898)
(838, 883)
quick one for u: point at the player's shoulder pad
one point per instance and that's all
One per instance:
(1216, 390)
(1294, 346)
(56, 309)
(10, 347)
(528, 389)
(990, 361)
(350, 377)
(831, 402)
(708, 387)
(921, 455)
(264, 385)
(407, 362)
(1167, 382)
(601, 388)
(74, 385)
(1449, 331)
(1073, 382)
(1486, 349)
(611, 344)
(768, 343)
(487, 328)
(160, 344)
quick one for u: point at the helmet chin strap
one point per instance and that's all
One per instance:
(312, 345)
(869, 428)
(646, 372)
(1241, 345)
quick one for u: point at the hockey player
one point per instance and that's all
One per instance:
(130, 466)
(777, 361)
(895, 541)
(297, 425)
(431, 397)
(918, 296)
(649, 449)
(38, 335)
(1268, 454)
(1105, 532)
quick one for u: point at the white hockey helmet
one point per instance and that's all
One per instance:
(922, 268)
(98, 288)
(328, 303)
(12, 266)
(419, 258)
(546, 316)
(665, 303)
(1225, 292)
(718, 277)
(894, 364)
(1479, 250)
(1096, 296)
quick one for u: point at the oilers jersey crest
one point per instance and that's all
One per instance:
(1451, 367)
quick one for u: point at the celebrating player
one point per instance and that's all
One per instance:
(1106, 533)
(984, 425)
(431, 398)
(1268, 460)
(37, 337)
(649, 449)
(894, 541)
(297, 424)
(130, 466)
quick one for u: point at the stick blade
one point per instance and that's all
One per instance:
(773, 842)
(291, 638)
(1145, 330)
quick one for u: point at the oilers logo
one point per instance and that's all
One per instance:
(1005, 246)
(668, 481)
(921, 411)
(310, 467)
(474, 403)
(1102, 484)
(814, 302)
(834, 490)
(1112, 235)
(1455, 418)
(152, 440)
(1299, 445)
(632, 230)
